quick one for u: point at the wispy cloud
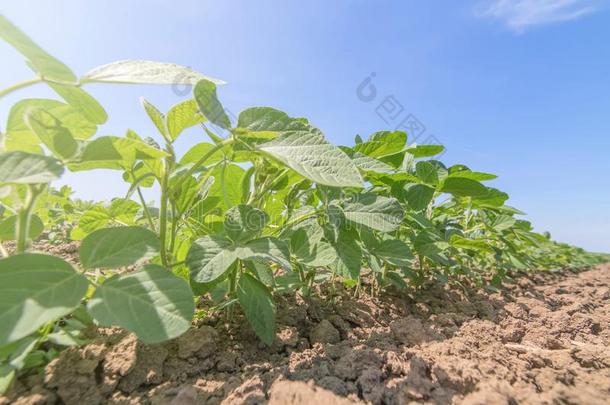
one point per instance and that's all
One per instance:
(519, 15)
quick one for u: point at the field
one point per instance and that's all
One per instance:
(274, 265)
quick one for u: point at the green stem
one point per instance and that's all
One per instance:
(146, 210)
(19, 85)
(163, 218)
(23, 219)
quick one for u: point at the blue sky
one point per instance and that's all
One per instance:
(518, 88)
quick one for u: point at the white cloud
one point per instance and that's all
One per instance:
(519, 15)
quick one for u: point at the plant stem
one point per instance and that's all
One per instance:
(19, 85)
(146, 210)
(23, 219)
(163, 217)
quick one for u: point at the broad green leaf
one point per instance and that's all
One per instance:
(395, 252)
(207, 101)
(244, 221)
(16, 127)
(319, 254)
(196, 152)
(366, 163)
(209, 258)
(503, 222)
(95, 218)
(117, 247)
(71, 118)
(382, 143)
(267, 122)
(349, 255)
(57, 138)
(266, 249)
(153, 303)
(43, 63)
(227, 184)
(310, 155)
(113, 152)
(418, 196)
(492, 198)
(82, 101)
(182, 116)
(463, 187)
(258, 306)
(27, 168)
(422, 151)
(36, 289)
(427, 172)
(8, 227)
(463, 171)
(374, 211)
(145, 72)
(155, 116)
(13, 358)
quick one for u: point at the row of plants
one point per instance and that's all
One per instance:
(269, 207)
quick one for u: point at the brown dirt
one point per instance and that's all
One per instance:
(540, 340)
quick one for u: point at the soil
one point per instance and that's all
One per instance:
(539, 339)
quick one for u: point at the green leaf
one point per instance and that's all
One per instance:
(18, 133)
(81, 101)
(227, 184)
(8, 227)
(427, 172)
(258, 306)
(395, 252)
(266, 249)
(373, 211)
(196, 152)
(492, 198)
(117, 247)
(145, 72)
(28, 168)
(418, 196)
(422, 151)
(268, 123)
(43, 63)
(366, 163)
(153, 303)
(52, 133)
(349, 255)
(182, 116)
(36, 289)
(244, 221)
(13, 358)
(463, 187)
(209, 258)
(320, 254)
(310, 155)
(113, 152)
(503, 222)
(205, 95)
(461, 171)
(382, 143)
(155, 116)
